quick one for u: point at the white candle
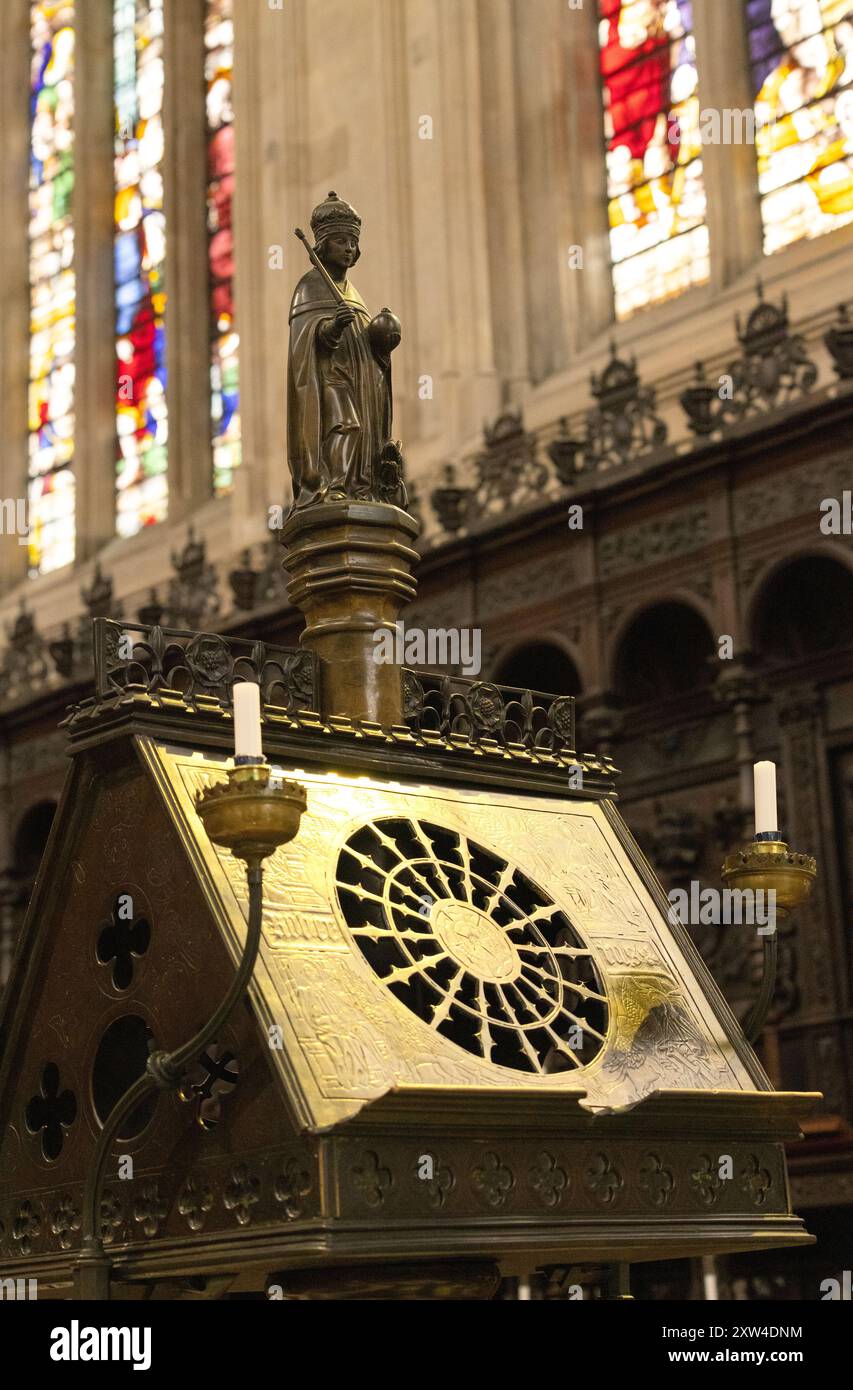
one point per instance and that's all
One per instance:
(766, 816)
(247, 720)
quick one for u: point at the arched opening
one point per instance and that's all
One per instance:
(31, 838)
(16, 884)
(804, 610)
(664, 653)
(539, 666)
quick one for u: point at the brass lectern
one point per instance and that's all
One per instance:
(472, 1042)
(390, 1005)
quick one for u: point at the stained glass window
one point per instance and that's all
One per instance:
(224, 360)
(656, 191)
(140, 254)
(52, 288)
(802, 70)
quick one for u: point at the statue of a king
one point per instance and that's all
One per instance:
(339, 400)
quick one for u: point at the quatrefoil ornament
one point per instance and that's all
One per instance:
(51, 1112)
(124, 939)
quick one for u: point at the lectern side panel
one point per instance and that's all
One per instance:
(127, 958)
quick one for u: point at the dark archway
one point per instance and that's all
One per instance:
(31, 838)
(664, 653)
(539, 666)
(16, 883)
(804, 610)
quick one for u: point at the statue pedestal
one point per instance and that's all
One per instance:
(350, 569)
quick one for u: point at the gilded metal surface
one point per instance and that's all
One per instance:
(347, 1039)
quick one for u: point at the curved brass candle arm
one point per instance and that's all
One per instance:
(757, 1016)
(251, 819)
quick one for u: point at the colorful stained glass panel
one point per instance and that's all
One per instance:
(140, 260)
(52, 288)
(656, 191)
(225, 343)
(802, 69)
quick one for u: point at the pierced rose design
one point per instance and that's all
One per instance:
(208, 659)
(299, 677)
(112, 641)
(413, 696)
(561, 718)
(486, 705)
(472, 946)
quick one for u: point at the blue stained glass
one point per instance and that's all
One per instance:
(127, 258)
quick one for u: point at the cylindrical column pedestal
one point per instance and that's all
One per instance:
(350, 573)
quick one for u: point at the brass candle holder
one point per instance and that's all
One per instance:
(767, 865)
(247, 814)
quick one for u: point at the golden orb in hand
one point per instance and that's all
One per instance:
(384, 332)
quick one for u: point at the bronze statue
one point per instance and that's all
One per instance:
(339, 376)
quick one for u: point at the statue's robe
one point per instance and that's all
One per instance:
(333, 393)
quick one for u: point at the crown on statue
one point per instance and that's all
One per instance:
(334, 215)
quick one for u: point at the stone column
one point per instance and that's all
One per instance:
(271, 197)
(540, 86)
(502, 178)
(401, 151)
(731, 175)
(736, 688)
(581, 181)
(469, 380)
(187, 283)
(14, 271)
(95, 423)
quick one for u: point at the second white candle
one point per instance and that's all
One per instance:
(247, 720)
(766, 815)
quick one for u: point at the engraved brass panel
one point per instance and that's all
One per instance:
(346, 1038)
